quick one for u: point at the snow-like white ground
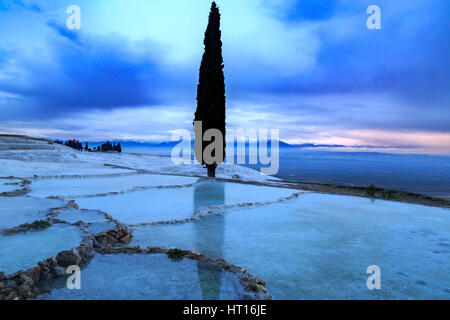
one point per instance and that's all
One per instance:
(40, 158)
(73, 187)
(150, 277)
(24, 250)
(312, 247)
(158, 205)
(56, 170)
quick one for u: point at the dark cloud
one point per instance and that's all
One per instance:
(407, 60)
(62, 30)
(88, 72)
(409, 54)
(8, 5)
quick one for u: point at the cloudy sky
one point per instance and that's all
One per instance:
(310, 68)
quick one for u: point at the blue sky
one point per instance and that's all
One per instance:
(310, 68)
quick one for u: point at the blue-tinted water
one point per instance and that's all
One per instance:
(425, 174)
(149, 277)
(319, 246)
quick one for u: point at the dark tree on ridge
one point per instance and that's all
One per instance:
(211, 86)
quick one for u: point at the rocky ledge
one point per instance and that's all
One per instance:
(24, 284)
(23, 184)
(109, 238)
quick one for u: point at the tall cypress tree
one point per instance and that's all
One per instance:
(211, 86)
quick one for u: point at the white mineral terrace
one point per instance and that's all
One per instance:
(305, 245)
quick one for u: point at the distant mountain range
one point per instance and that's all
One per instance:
(171, 144)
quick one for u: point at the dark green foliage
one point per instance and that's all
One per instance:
(385, 194)
(74, 144)
(41, 224)
(107, 147)
(211, 85)
(371, 190)
(176, 253)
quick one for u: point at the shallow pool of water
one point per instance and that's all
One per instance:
(155, 205)
(15, 211)
(88, 216)
(6, 185)
(24, 250)
(149, 277)
(68, 187)
(320, 246)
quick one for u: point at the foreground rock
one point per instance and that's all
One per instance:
(23, 284)
(109, 238)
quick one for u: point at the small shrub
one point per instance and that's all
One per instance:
(371, 190)
(176, 253)
(40, 224)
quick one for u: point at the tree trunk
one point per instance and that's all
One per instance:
(211, 170)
